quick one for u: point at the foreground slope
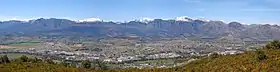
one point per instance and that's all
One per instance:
(240, 62)
(36, 67)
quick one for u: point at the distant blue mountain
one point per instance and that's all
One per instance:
(156, 28)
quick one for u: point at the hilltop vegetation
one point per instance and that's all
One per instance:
(266, 59)
(25, 64)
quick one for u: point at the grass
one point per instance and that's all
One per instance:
(26, 43)
(238, 63)
(161, 62)
(16, 56)
(36, 67)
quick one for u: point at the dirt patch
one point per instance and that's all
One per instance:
(5, 46)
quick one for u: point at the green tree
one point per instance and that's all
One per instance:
(86, 64)
(214, 55)
(275, 44)
(35, 60)
(24, 58)
(101, 64)
(65, 64)
(260, 55)
(5, 59)
(50, 61)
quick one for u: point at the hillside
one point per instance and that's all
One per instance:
(36, 67)
(240, 62)
(265, 59)
(262, 60)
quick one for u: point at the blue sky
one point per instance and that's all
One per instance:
(245, 11)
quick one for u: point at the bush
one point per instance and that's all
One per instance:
(35, 60)
(86, 64)
(260, 55)
(275, 44)
(24, 58)
(214, 55)
(50, 61)
(65, 64)
(5, 59)
(101, 65)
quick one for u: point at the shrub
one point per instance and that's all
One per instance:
(65, 64)
(214, 55)
(24, 58)
(260, 55)
(5, 59)
(275, 44)
(86, 64)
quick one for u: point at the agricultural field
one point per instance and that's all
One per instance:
(25, 44)
(17, 55)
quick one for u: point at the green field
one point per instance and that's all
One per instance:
(26, 43)
(16, 56)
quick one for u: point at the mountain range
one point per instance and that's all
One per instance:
(184, 27)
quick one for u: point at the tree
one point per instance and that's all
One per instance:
(101, 65)
(50, 61)
(24, 58)
(214, 55)
(86, 64)
(260, 55)
(35, 60)
(275, 44)
(97, 49)
(5, 59)
(65, 64)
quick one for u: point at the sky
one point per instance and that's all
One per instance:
(244, 11)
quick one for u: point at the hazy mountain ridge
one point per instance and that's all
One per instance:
(156, 27)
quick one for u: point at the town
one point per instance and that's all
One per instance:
(123, 52)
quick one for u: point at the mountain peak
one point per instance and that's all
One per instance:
(90, 20)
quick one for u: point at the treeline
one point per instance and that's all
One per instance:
(5, 59)
(35, 64)
(25, 64)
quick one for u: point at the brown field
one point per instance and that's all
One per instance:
(5, 46)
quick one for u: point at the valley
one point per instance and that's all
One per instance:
(135, 44)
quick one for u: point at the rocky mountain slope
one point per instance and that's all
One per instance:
(153, 28)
